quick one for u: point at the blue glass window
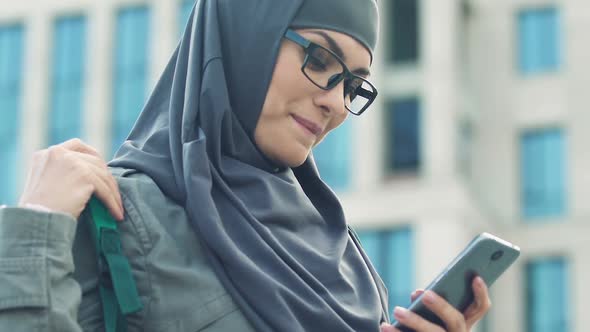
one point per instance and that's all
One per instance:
(404, 31)
(131, 69)
(185, 11)
(547, 296)
(392, 254)
(539, 40)
(67, 78)
(333, 158)
(543, 173)
(404, 135)
(11, 55)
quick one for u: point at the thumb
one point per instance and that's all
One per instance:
(416, 294)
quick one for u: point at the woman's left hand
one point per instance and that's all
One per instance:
(455, 321)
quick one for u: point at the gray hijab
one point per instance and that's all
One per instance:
(276, 237)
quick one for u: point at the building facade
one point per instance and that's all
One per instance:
(479, 126)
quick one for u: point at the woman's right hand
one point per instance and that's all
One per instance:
(454, 320)
(63, 177)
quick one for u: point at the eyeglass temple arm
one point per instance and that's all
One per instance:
(297, 38)
(364, 93)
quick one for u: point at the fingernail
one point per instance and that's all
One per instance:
(400, 312)
(429, 297)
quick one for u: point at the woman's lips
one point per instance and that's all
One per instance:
(309, 125)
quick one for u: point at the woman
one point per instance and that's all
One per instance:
(226, 222)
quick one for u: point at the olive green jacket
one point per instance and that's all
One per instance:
(49, 274)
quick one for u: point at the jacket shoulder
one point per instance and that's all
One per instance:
(177, 286)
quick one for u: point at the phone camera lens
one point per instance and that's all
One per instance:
(497, 255)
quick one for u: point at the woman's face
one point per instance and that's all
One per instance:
(297, 114)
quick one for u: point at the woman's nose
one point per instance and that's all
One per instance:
(332, 101)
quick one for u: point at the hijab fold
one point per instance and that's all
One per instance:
(276, 238)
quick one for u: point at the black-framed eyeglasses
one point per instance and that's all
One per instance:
(326, 70)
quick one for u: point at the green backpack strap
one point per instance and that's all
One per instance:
(118, 291)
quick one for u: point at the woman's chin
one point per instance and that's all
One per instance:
(295, 162)
(295, 159)
(292, 154)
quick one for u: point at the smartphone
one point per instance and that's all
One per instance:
(486, 256)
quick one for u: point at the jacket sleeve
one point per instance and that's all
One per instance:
(38, 291)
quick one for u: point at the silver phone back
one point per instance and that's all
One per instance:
(486, 256)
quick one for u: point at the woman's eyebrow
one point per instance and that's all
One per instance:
(362, 72)
(333, 45)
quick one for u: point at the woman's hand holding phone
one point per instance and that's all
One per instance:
(64, 177)
(453, 319)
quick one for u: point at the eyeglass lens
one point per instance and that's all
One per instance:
(324, 69)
